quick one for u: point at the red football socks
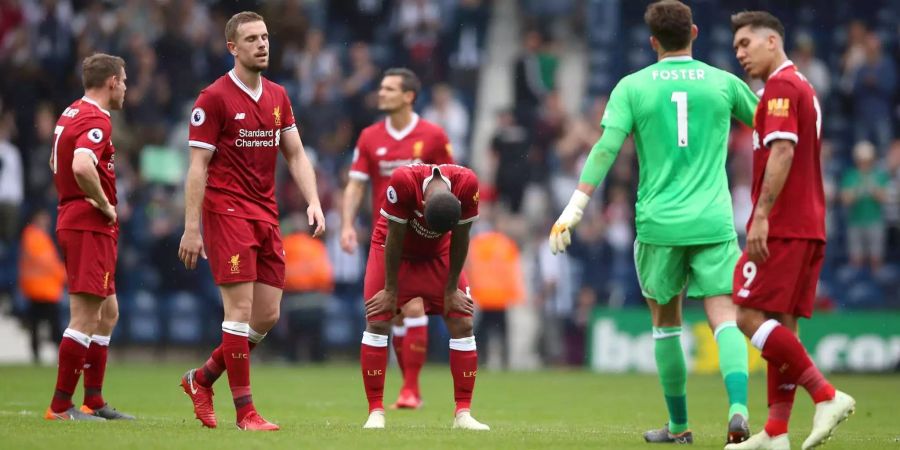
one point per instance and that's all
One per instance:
(373, 359)
(397, 342)
(236, 352)
(213, 368)
(415, 350)
(94, 370)
(783, 350)
(72, 351)
(464, 368)
(781, 401)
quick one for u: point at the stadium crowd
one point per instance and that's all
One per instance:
(330, 56)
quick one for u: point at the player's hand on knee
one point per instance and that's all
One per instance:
(458, 301)
(381, 303)
(191, 249)
(561, 233)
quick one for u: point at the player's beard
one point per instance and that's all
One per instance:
(254, 66)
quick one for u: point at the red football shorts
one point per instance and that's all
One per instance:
(90, 259)
(424, 278)
(785, 282)
(242, 250)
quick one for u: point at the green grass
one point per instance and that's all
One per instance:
(324, 407)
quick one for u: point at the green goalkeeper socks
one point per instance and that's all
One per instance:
(672, 375)
(733, 365)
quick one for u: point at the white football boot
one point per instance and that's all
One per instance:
(828, 416)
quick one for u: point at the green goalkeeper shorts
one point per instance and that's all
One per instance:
(664, 271)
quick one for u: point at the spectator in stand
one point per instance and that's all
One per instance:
(317, 70)
(42, 278)
(360, 87)
(530, 87)
(446, 111)
(419, 24)
(466, 42)
(854, 54)
(12, 179)
(510, 147)
(813, 68)
(495, 277)
(308, 283)
(863, 192)
(873, 92)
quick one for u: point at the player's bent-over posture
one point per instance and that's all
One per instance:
(679, 110)
(418, 249)
(83, 164)
(775, 279)
(238, 124)
(401, 138)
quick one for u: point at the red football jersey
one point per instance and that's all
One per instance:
(244, 129)
(381, 149)
(404, 198)
(84, 127)
(790, 110)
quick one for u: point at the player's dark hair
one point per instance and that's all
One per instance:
(409, 82)
(237, 20)
(756, 19)
(442, 211)
(670, 23)
(97, 68)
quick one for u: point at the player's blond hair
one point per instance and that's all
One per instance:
(237, 20)
(97, 68)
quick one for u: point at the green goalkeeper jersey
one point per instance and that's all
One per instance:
(679, 111)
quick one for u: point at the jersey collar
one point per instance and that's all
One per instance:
(240, 84)
(435, 171)
(677, 58)
(87, 99)
(784, 65)
(400, 134)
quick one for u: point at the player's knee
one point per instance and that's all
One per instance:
(748, 321)
(109, 319)
(459, 327)
(382, 327)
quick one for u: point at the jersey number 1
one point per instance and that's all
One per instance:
(681, 110)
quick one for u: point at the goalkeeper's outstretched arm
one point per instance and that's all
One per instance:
(601, 158)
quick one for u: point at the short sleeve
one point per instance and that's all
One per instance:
(743, 101)
(206, 122)
(93, 139)
(288, 122)
(468, 198)
(780, 101)
(400, 197)
(361, 164)
(618, 112)
(441, 151)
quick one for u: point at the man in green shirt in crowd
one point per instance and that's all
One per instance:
(863, 191)
(679, 111)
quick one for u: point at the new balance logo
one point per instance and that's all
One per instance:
(239, 116)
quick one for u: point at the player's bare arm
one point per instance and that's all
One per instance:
(777, 169)
(89, 181)
(454, 299)
(386, 299)
(305, 176)
(353, 195)
(191, 246)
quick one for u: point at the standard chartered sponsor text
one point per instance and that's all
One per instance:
(251, 138)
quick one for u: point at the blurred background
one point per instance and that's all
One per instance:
(519, 86)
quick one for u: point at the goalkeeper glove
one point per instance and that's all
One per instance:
(561, 233)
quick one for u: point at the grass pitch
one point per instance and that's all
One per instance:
(324, 407)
